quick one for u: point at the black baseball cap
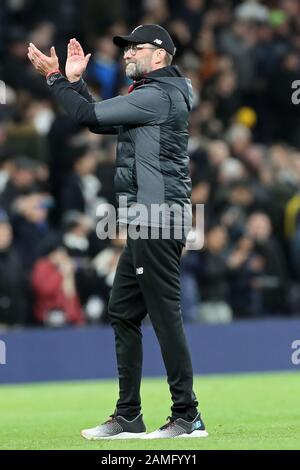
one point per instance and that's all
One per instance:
(148, 33)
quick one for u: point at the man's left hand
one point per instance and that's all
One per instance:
(41, 62)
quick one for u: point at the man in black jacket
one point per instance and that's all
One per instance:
(151, 170)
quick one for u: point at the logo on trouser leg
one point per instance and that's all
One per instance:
(139, 270)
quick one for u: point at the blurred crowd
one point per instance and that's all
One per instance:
(244, 147)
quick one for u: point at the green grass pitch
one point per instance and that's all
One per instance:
(247, 411)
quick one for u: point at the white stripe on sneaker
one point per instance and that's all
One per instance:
(161, 435)
(121, 435)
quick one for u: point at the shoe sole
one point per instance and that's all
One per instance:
(122, 435)
(194, 434)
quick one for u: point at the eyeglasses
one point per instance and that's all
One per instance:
(133, 48)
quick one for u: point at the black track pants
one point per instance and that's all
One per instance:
(147, 281)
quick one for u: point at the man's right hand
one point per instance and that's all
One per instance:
(76, 61)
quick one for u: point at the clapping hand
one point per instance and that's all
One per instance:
(41, 62)
(76, 61)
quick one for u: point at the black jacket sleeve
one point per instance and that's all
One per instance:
(82, 89)
(79, 104)
(147, 105)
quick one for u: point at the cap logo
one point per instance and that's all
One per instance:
(157, 41)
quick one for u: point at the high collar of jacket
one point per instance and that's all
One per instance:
(170, 75)
(168, 71)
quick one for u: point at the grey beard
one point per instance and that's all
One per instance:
(135, 72)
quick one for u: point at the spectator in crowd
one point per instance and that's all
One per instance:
(12, 295)
(30, 225)
(271, 279)
(105, 265)
(56, 301)
(16, 72)
(207, 271)
(104, 69)
(77, 228)
(81, 186)
(21, 182)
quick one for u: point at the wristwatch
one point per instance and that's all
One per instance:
(51, 79)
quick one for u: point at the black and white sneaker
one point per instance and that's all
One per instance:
(117, 427)
(179, 428)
